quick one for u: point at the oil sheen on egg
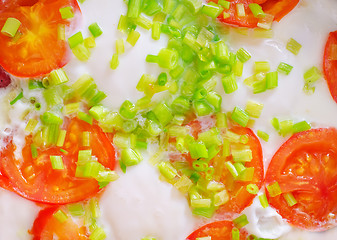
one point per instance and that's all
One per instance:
(139, 204)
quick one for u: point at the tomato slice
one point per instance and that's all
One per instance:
(330, 64)
(47, 227)
(35, 179)
(38, 50)
(306, 166)
(239, 197)
(217, 231)
(277, 8)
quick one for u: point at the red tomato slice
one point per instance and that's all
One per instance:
(239, 198)
(47, 227)
(330, 64)
(38, 51)
(277, 8)
(306, 166)
(217, 231)
(35, 179)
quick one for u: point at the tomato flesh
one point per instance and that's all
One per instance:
(277, 8)
(35, 179)
(330, 64)
(217, 231)
(46, 227)
(306, 166)
(38, 50)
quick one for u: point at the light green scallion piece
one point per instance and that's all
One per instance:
(60, 216)
(11, 26)
(57, 162)
(293, 46)
(95, 30)
(66, 12)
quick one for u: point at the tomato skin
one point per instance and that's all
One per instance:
(330, 66)
(46, 226)
(38, 51)
(35, 180)
(306, 166)
(217, 231)
(277, 8)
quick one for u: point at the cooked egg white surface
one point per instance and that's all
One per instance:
(139, 204)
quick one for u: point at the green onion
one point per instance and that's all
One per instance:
(50, 118)
(229, 83)
(133, 36)
(204, 212)
(263, 200)
(240, 10)
(290, 199)
(190, 41)
(66, 12)
(167, 170)
(130, 157)
(89, 42)
(143, 22)
(246, 175)
(57, 77)
(252, 188)
(262, 66)
(293, 46)
(31, 125)
(274, 189)
(129, 126)
(198, 150)
(243, 55)
(95, 30)
(60, 216)
(240, 116)
(221, 120)
(134, 8)
(275, 123)
(156, 30)
(231, 169)
(33, 150)
(97, 112)
(162, 79)
(241, 221)
(71, 108)
(286, 127)
(301, 126)
(81, 52)
(85, 117)
(10, 27)
(263, 135)
(128, 110)
(201, 203)
(105, 177)
(56, 162)
(254, 109)
(235, 234)
(114, 63)
(257, 10)
(61, 32)
(272, 80)
(98, 233)
(86, 139)
(148, 238)
(202, 107)
(17, 98)
(34, 84)
(168, 58)
(284, 68)
(311, 76)
(76, 209)
(225, 4)
(266, 22)
(61, 137)
(120, 46)
(242, 155)
(75, 39)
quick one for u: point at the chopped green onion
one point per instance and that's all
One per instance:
(201, 203)
(263, 135)
(130, 157)
(225, 4)
(128, 110)
(98, 233)
(167, 170)
(293, 46)
(252, 188)
(240, 116)
(176, 72)
(241, 221)
(10, 27)
(133, 37)
(86, 139)
(257, 10)
(81, 52)
(50, 118)
(34, 84)
(263, 200)
(229, 83)
(274, 189)
(243, 55)
(71, 108)
(290, 199)
(231, 169)
(66, 12)
(266, 22)
(242, 155)
(120, 46)
(95, 30)
(272, 80)
(262, 66)
(60, 216)
(76, 209)
(156, 30)
(246, 175)
(33, 150)
(89, 42)
(198, 150)
(61, 137)
(56, 162)
(284, 68)
(286, 127)
(202, 107)
(17, 98)
(57, 77)
(75, 39)
(143, 22)
(254, 109)
(97, 112)
(31, 125)
(168, 58)
(240, 10)
(114, 63)
(85, 117)
(134, 8)
(235, 234)
(129, 125)
(311, 76)
(301, 126)
(61, 32)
